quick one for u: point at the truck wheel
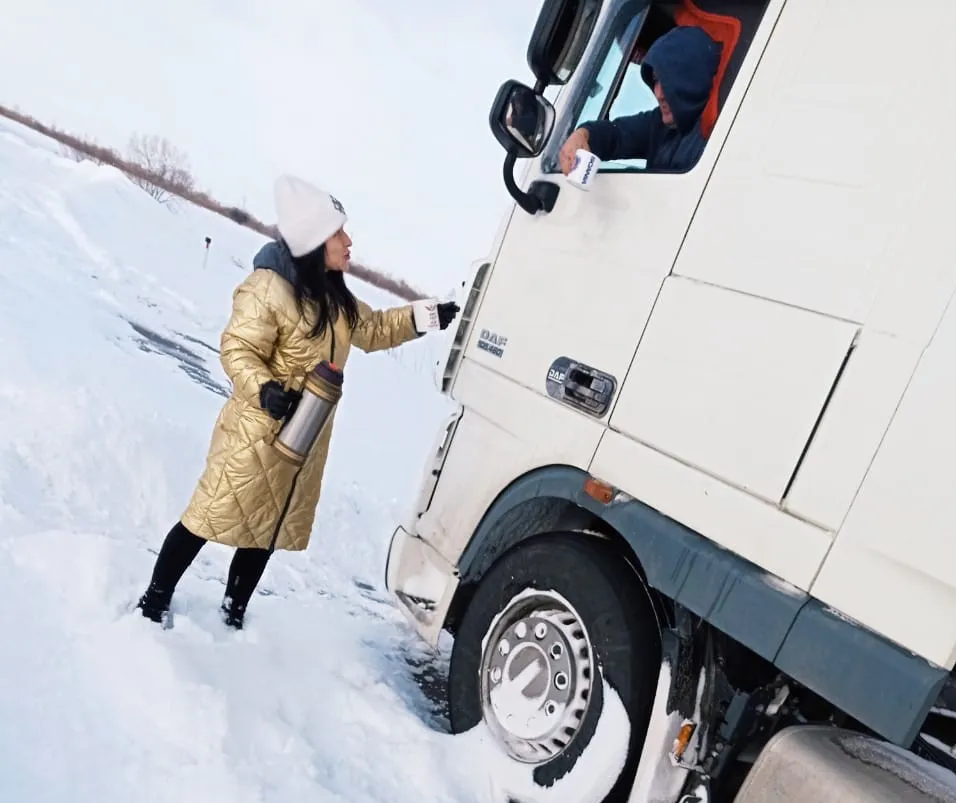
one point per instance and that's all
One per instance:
(574, 606)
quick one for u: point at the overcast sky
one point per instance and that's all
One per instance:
(383, 103)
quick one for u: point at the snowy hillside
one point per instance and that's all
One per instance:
(108, 328)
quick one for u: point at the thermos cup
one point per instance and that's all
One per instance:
(586, 166)
(322, 391)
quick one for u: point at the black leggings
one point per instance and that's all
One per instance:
(181, 548)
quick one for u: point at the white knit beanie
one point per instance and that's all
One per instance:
(307, 216)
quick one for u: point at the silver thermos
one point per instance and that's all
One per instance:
(322, 391)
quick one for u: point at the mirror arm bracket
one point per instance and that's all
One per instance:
(546, 192)
(542, 195)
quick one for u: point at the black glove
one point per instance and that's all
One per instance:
(447, 311)
(276, 401)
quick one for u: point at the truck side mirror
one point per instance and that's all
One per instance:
(559, 39)
(521, 119)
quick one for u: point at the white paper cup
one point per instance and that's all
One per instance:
(586, 166)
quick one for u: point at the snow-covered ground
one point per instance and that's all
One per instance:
(109, 324)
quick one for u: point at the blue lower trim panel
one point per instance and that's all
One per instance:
(883, 686)
(879, 683)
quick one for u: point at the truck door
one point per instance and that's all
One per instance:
(580, 282)
(797, 308)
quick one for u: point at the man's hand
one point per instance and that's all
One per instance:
(578, 140)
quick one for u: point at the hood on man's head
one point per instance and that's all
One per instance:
(685, 61)
(306, 215)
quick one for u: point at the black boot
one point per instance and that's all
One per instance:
(245, 571)
(155, 604)
(233, 613)
(178, 551)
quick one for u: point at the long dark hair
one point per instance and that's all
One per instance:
(326, 289)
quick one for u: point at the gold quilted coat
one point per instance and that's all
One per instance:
(247, 496)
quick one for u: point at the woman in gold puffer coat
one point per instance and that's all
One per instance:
(291, 313)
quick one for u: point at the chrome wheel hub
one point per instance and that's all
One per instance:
(536, 675)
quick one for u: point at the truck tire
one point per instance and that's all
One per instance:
(584, 610)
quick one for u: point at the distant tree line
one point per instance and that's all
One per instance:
(162, 170)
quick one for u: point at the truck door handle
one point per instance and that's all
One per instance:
(580, 386)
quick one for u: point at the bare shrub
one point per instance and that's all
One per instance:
(234, 213)
(78, 154)
(160, 159)
(72, 153)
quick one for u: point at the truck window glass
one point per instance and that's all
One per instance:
(631, 96)
(610, 86)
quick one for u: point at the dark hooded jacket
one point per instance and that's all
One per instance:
(685, 61)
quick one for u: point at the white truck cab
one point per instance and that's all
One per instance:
(704, 449)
